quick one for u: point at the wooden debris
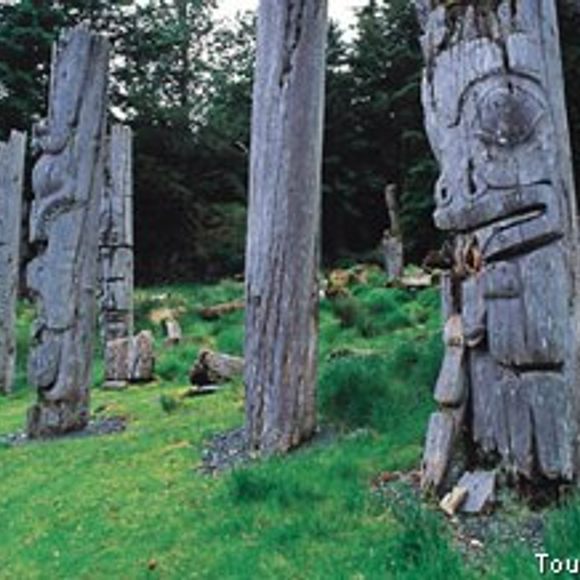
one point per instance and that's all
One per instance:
(200, 391)
(219, 310)
(480, 488)
(213, 368)
(112, 385)
(350, 352)
(417, 281)
(452, 501)
(174, 333)
(129, 360)
(159, 315)
(438, 450)
(451, 386)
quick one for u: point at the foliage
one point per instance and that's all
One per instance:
(183, 80)
(393, 341)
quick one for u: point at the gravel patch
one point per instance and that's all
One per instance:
(97, 427)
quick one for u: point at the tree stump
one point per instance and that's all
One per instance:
(283, 224)
(12, 156)
(496, 120)
(68, 182)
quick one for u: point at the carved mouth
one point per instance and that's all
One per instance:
(501, 208)
(517, 218)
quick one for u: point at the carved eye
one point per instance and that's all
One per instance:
(442, 193)
(508, 116)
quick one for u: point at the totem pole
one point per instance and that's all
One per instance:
(392, 237)
(116, 241)
(11, 181)
(495, 115)
(64, 226)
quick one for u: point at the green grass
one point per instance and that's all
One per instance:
(134, 505)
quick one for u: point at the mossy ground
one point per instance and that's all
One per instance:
(135, 505)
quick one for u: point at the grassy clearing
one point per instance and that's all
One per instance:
(133, 505)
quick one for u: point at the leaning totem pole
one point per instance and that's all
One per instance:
(11, 181)
(495, 115)
(64, 226)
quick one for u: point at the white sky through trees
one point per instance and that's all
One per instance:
(341, 10)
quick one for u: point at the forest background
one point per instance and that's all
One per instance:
(182, 78)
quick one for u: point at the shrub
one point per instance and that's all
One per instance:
(354, 391)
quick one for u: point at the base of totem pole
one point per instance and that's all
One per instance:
(51, 419)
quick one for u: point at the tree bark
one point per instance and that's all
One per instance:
(283, 224)
(495, 113)
(12, 156)
(116, 238)
(68, 184)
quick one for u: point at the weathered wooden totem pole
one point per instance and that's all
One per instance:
(283, 224)
(392, 237)
(495, 115)
(68, 183)
(116, 242)
(12, 156)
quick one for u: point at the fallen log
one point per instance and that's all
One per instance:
(200, 391)
(213, 368)
(219, 310)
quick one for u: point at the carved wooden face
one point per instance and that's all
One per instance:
(497, 164)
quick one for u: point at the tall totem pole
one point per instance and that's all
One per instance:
(64, 225)
(495, 115)
(116, 238)
(12, 156)
(283, 224)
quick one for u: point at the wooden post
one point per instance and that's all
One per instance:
(68, 184)
(12, 156)
(284, 212)
(116, 238)
(495, 113)
(392, 237)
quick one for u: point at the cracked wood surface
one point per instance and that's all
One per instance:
(12, 156)
(116, 238)
(68, 183)
(494, 105)
(283, 223)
